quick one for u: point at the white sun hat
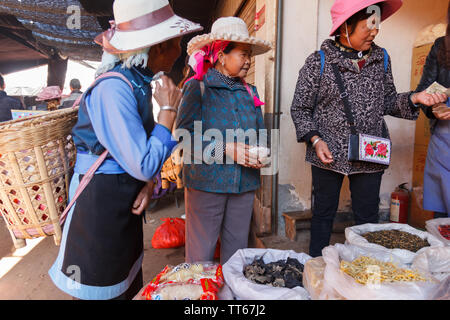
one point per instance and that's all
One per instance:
(229, 29)
(140, 24)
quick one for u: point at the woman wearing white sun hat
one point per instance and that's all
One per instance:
(219, 191)
(102, 245)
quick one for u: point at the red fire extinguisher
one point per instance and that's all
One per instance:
(400, 204)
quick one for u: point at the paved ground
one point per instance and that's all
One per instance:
(28, 278)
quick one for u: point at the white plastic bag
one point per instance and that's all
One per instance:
(435, 260)
(432, 227)
(353, 236)
(346, 286)
(244, 289)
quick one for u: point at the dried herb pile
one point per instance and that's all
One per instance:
(396, 239)
(283, 273)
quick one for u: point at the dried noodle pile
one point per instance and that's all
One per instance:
(361, 269)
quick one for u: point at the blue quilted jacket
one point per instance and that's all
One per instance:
(222, 106)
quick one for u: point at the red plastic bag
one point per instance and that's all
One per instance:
(170, 234)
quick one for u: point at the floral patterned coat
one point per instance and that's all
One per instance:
(372, 95)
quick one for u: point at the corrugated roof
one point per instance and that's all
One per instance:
(38, 29)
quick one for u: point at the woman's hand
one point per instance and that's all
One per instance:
(441, 111)
(322, 151)
(428, 99)
(167, 94)
(143, 199)
(239, 152)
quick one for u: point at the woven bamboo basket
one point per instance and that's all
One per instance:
(37, 156)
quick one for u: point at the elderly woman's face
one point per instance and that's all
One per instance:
(162, 56)
(237, 62)
(362, 37)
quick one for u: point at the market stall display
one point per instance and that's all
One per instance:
(356, 273)
(247, 261)
(37, 156)
(439, 228)
(400, 240)
(186, 281)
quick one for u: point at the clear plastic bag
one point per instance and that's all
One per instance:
(432, 227)
(313, 280)
(435, 260)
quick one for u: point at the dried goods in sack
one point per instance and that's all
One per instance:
(282, 273)
(444, 230)
(385, 277)
(396, 239)
(367, 269)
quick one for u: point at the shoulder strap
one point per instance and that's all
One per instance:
(90, 173)
(322, 61)
(110, 74)
(344, 97)
(386, 59)
(322, 67)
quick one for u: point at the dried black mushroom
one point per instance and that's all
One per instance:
(283, 273)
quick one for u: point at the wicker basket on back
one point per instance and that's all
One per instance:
(37, 156)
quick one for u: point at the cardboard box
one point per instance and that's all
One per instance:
(419, 56)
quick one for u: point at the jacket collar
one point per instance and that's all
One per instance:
(145, 73)
(334, 55)
(214, 79)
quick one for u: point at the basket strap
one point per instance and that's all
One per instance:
(83, 183)
(105, 75)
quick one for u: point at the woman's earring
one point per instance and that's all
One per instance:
(223, 63)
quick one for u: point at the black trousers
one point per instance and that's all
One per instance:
(365, 196)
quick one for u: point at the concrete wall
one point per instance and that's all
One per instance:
(306, 23)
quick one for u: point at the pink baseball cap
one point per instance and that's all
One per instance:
(49, 93)
(344, 9)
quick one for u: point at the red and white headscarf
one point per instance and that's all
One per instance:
(205, 58)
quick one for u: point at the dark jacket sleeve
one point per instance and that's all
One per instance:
(303, 103)
(430, 74)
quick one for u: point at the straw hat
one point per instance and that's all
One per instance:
(140, 24)
(344, 9)
(229, 29)
(49, 93)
